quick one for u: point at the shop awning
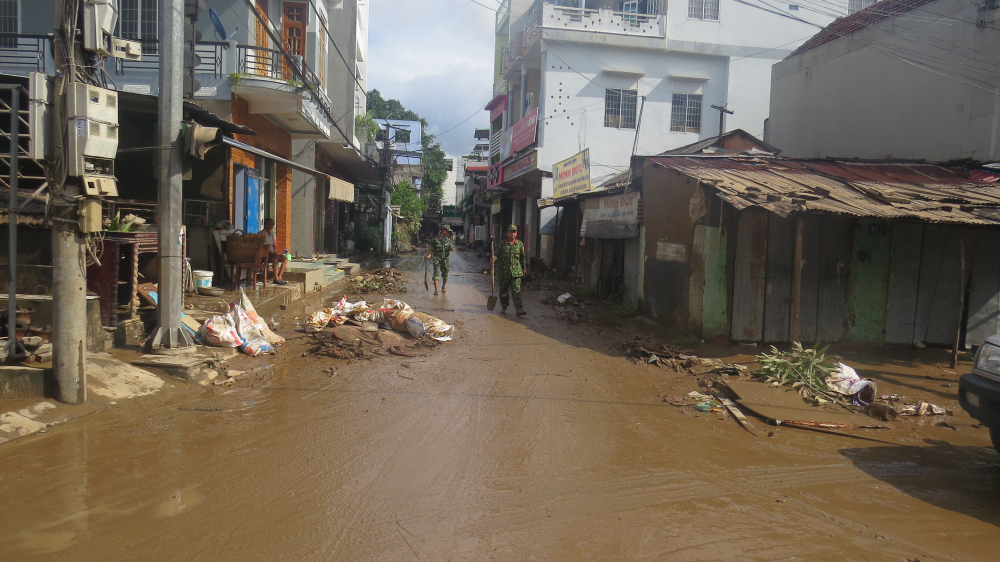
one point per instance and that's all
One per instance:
(341, 190)
(259, 152)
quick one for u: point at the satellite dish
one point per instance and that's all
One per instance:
(220, 30)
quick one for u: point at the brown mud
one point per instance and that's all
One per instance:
(526, 438)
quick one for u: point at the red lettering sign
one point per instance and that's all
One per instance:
(525, 131)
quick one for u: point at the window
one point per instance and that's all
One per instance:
(402, 136)
(8, 23)
(619, 108)
(685, 114)
(704, 9)
(858, 5)
(139, 22)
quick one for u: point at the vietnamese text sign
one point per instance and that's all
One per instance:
(612, 217)
(497, 107)
(495, 176)
(521, 166)
(495, 208)
(572, 175)
(525, 131)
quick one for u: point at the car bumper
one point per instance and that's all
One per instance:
(974, 388)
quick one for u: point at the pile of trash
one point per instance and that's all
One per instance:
(385, 280)
(816, 379)
(395, 314)
(242, 328)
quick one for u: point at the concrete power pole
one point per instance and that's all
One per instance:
(69, 263)
(169, 336)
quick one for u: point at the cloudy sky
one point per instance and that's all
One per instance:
(436, 57)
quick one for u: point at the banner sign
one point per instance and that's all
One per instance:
(453, 221)
(612, 217)
(521, 166)
(505, 142)
(571, 176)
(525, 131)
(495, 208)
(495, 176)
(497, 107)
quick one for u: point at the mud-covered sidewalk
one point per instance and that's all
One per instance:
(528, 438)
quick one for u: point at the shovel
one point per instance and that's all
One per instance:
(426, 288)
(491, 302)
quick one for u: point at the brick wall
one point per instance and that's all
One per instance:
(277, 141)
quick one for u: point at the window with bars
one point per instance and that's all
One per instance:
(685, 113)
(8, 23)
(619, 108)
(138, 21)
(703, 10)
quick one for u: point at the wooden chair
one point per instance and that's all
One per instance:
(258, 265)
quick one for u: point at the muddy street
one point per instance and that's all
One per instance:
(523, 439)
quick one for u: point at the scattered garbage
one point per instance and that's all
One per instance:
(563, 298)
(816, 380)
(922, 409)
(385, 280)
(241, 327)
(880, 411)
(420, 324)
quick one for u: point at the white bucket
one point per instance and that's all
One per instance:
(203, 278)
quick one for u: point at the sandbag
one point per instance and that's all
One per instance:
(220, 331)
(257, 321)
(420, 324)
(254, 342)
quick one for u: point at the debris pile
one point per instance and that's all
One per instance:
(899, 404)
(817, 380)
(381, 281)
(354, 343)
(397, 315)
(241, 327)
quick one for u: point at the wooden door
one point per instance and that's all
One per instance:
(750, 275)
(294, 16)
(258, 59)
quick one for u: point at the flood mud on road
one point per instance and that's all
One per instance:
(523, 438)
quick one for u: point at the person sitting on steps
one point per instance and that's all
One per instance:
(276, 260)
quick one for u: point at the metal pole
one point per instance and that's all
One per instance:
(11, 348)
(170, 335)
(797, 281)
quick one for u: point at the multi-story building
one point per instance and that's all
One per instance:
(622, 78)
(287, 74)
(891, 81)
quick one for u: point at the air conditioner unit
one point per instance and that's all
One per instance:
(99, 19)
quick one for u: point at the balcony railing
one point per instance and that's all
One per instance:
(25, 51)
(604, 20)
(276, 66)
(503, 14)
(512, 52)
(495, 141)
(211, 55)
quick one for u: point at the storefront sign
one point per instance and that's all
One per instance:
(495, 208)
(495, 176)
(521, 166)
(525, 132)
(571, 176)
(666, 251)
(452, 221)
(505, 143)
(497, 107)
(612, 217)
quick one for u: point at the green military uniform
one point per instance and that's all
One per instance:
(510, 265)
(441, 253)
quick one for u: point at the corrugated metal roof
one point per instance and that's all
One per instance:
(918, 190)
(877, 12)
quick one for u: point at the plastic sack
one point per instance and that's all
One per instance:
(254, 342)
(220, 331)
(420, 324)
(397, 319)
(338, 314)
(846, 381)
(319, 320)
(257, 321)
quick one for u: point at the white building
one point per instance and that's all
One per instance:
(609, 75)
(912, 81)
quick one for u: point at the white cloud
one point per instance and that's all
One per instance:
(436, 57)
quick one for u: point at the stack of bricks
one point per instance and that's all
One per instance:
(271, 138)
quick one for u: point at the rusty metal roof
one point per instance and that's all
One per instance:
(842, 27)
(882, 189)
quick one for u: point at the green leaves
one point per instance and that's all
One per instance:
(803, 369)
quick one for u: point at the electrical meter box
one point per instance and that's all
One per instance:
(99, 19)
(90, 102)
(39, 104)
(92, 137)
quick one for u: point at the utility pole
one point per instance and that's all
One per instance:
(722, 117)
(69, 263)
(169, 336)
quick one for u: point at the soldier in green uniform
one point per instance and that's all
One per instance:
(440, 248)
(510, 263)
